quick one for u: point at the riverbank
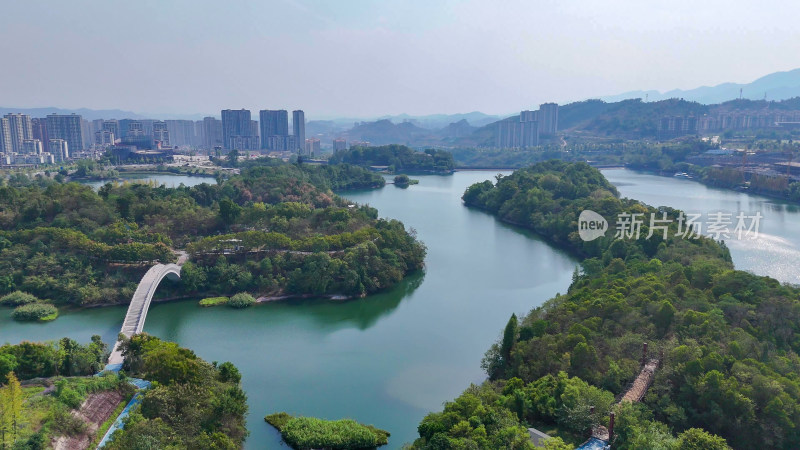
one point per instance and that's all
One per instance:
(696, 176)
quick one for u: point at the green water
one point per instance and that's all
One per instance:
(390, 358)
(387, 359)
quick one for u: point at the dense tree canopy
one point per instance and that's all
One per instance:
(729, 339)
(398, 158)
(70, 244)
(192, 404)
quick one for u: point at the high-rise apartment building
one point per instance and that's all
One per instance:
(60, 149)
(245, 143)
(299, 127)
(67, 127)
(312, 147)
(182, 133)
(112, 125)
(235, 122)
(339, 145)
(212, 133)
(274, 126)
(32, 147)
(5, 136)
(39, 131)
(104, 138)
(20, 128)
(135, 128)
(161, 133)
(548, 118)
(87, 132)
(518, 132)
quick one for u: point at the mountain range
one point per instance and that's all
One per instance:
(775, 86)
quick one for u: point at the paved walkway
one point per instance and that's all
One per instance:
(137, 398)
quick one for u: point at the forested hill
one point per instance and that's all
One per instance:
(70, 244)
(729, 339)
(398, 158)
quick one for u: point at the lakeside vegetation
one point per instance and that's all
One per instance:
(42, 385)
(191, 404)
(70, 244)
(728, 338)
(303, 433)
(397, 159)
(685, 155)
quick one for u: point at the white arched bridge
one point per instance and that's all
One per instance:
(140, 303)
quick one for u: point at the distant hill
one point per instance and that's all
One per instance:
(92, 114)
(776, 86)
(384, 132)
(88, 114)
(437, 121)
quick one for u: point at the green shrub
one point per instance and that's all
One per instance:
(35, 311)
(213, 301)
(310, 432)
(18, 298)
(65, 423)
(70, 397)
(241, 300)
(278, 420)
(228, 373)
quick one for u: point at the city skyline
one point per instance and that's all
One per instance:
(558, 52)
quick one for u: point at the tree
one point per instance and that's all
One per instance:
(10, 410)
(509, 337)
(233, 158)
(229, 211)
(699, 439)
(663, 317)
(8, 363)
(228, 373)
(556, 443)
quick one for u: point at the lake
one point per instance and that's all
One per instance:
(387, 359)
(391, 358)
(167, 179)
(775, 252)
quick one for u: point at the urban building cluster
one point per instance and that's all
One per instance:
(525, 130)
(60, 137)
(49, 140)
(670, 127)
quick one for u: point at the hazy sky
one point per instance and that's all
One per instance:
(369, 58)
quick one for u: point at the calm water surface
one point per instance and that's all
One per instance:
(776, 251)
(390, 358)
(387, 359)
(169, 180)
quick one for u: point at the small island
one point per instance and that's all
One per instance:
(404, 181)
(303, 433)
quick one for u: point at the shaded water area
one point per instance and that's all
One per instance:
(387, 359)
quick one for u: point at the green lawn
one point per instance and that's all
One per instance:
(213, 301)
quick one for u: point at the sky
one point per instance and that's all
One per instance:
(354, 58)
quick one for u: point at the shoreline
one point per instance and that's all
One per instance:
(709, 185)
